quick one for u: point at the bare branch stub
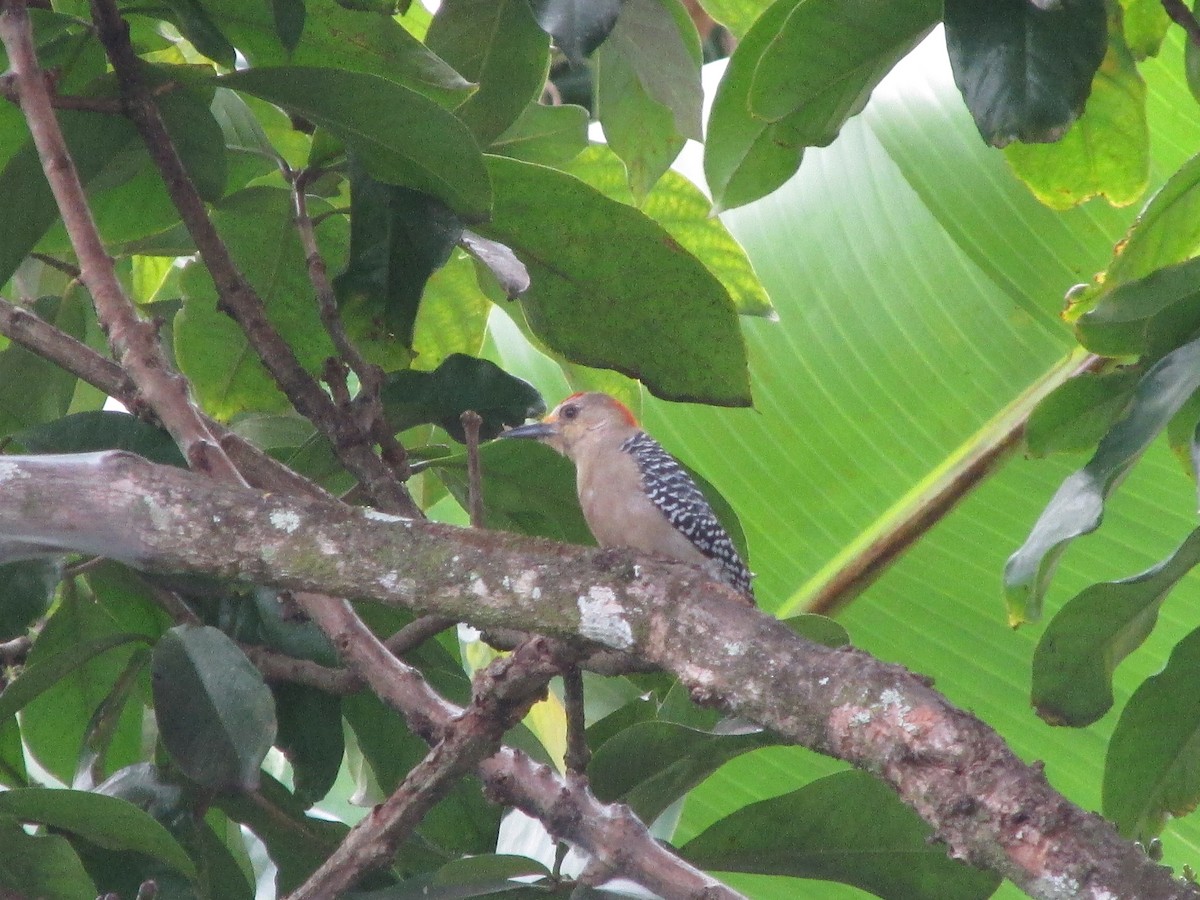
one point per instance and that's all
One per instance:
(471, 422)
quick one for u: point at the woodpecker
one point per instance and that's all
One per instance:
(633, 492)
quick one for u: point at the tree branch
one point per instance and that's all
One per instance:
(134, 341)
(503, 694)
(39, 336)
(238, 298)
(982, 801)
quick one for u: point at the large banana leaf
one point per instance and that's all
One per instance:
(918, 286)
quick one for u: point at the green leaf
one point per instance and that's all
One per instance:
(499, 45)
(74, 664)
(372, 42)
(577, 26)
(297, 844)
(195, 24)
(289, 22)
(402, 137)
(650, 765)
(86, 432)
(111, 823)
(1076, 508)
(648, 94)
(643, 293)
(43, 866)
(1151, 773)
(527, 488)
(103, 725)
(682, 209)
(783, 67)
(819, 629)
(452, 317)
(1090, 636)
(310, 736)
(1145, 23)
(215, 715)
(212, 351)
(1145, 317)
(1105, 153)
(460, 383)
(1166, 231)
(846, 827)
(398, 239)
(1024, 70)
(736, 15)
(1077, 414)
(548, 135)
(34, 390)
(197, 137)
(26, 591)
(485, 875)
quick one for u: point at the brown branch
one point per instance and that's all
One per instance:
(578, 754)
(503, 694)
(276, 666)
(238, 298)
(10, 92)
(982, 801)
(134, 341)
(39, 336)
(1182, 16)
(471, 422)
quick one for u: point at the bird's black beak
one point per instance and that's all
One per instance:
(539, 431)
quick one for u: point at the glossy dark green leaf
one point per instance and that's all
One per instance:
(682, 209)
(1090, 636)
(648, 94)
(846, 827)
(642, 293)
(527, 488)
(1070, 171)
(398, 238)
(72, 668)
(498, 45)
(280, 628)
(1152, 772)
(802, 70)
(104, 820)
(1076, 415)
(296, 843)
(310, 736)
(26, 591)
(1148, 316)
(32, 389)
(402, 137)
(289, 22)
(650, 765)
(215, 715)
(1076, 508)
(195, 24)
(460, 383)
(333, 35)
(13, 772)
(577, 26)
(1025, 70)
(40, 865)
(257, 226)
(101, 430)
(548, 135)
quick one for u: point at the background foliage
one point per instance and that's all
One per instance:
(896, 319)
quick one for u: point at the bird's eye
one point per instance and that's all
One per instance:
(569, 412)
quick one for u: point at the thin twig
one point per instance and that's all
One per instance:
(1182, 16)
(10, 92)
(578, 754)
(237, 297)
(417, 632)
(318, 274)
(471, 422)
(134, 341)
(276, 666)
(53, 262)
